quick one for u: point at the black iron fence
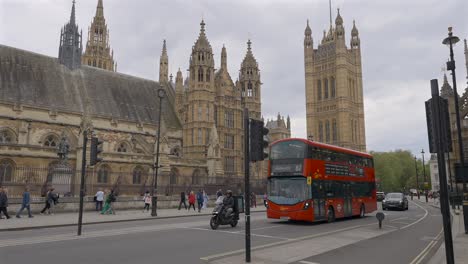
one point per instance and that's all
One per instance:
(66, 181)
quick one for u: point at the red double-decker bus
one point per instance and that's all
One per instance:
(312, 181)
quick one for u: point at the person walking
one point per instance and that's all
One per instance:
(200, 200)
(147, 199)
(205, 200)
(219, 193)
(182, 200)
(108, 209)
(25, 204)
(3, 203)
(47, 204)
(253, 200)
(265, 199)
(99, 198)
(191, 200)
(52, 199)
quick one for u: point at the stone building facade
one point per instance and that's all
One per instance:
(334, 89)
(46, 100)
(278, 129)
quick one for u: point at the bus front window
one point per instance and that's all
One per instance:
(288, 191)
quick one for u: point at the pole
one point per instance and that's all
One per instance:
(247, 183)
(83, 172)
(460, 141)
(154, 191)
(424, 173)
(417, 178)
(444, 204)
(451, 197)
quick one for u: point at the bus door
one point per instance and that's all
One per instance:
(348, 204)
(318, 197)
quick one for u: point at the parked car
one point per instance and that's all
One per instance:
(380, 196)
(395, 200)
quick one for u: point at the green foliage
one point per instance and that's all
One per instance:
(396, 170)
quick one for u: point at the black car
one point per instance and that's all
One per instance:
(395, 200)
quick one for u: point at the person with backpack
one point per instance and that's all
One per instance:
(147, 200)
(191, 200)
(108, 209)
(25, 204)
(3, 203)
(200, 200)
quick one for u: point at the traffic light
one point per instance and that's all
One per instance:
(96, 148)
(257, 140)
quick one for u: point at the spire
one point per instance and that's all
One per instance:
(224, 58)
(354, 31)
(100, 9)
(446, 90)
(339, 19)
(72, 16)
(70, 48)
(355, 36)
(163, 65)
(249, 48)
(202, 27)
(164, 49)
(308, 31)
(288, 123)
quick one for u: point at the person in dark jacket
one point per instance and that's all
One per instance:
(182, 200)
(200, 200)
(228, 203)
(3, 203)
(219, 193)
(47, 202)
(25, 204)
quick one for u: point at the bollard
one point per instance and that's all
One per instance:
(380, 216)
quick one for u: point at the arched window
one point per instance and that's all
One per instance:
(200, 74)
(333, 87)
(249, 89)
(89, 62)
(208, 75)
(7, 168)
(123, 147)
(200, 137)
(319, 90)
(352, 130)
(7, 136)
(137, 173)
(103, 174)
(334, 131)
(51, 141)
(94, 63)
(100, 64)
(321, 131)
(325, 89)
(196, 177)
(327, 131)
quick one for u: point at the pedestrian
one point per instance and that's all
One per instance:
(200, 200)
(253, 200)
(265, 199)
(47, 204)
(25, 203)
(147, 200)
(108, 209)
(205, 200)
(52, 199)
(182, 200)
(3, 203)
(191, 200)
(99, 199)
(219, 193)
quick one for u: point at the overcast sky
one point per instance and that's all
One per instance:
(400, 43)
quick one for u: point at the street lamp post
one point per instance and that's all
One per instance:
(154, 191)
(424, 173)
(417, 178)
(450, 41)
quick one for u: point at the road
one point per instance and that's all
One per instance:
(404, 236)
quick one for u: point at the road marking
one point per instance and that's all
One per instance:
(420, 219)
(392, 226)
(308, 262)
(266, 227)
(239, 251)
(427, 249)
(236, 233)
(400, 218)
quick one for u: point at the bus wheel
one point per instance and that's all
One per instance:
(331, 215)
(362, 213)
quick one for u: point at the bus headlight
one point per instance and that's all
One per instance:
(306, 205)
(266, 204)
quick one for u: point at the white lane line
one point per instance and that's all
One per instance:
(400, 218)
(427, 249)
(420, 219)
(266, 227)
(308, 262)
(236, 233)
(392, 226)
(401, 222)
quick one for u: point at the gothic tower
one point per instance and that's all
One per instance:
(163, 65)
(200, 98)
(179, 99)
(70, 47)
(98, 52)
(250, 84)
(334, 90)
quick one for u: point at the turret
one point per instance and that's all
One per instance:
(288, 123)
(249, 81)
(339, 31)
(224, 58)
(163, 65)
(70, 47)
(355, 41)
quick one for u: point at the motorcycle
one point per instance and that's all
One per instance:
(219, 216)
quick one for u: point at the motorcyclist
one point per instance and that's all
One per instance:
(228, 203)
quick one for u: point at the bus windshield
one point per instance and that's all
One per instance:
(288, 191)
(293, 149)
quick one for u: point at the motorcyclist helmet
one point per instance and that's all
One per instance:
(229, 192)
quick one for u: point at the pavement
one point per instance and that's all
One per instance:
(460, 240)
(71, 219)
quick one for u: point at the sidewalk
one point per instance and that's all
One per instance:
(70, 219)
(460, 241)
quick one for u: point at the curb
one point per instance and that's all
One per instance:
(108, 222)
